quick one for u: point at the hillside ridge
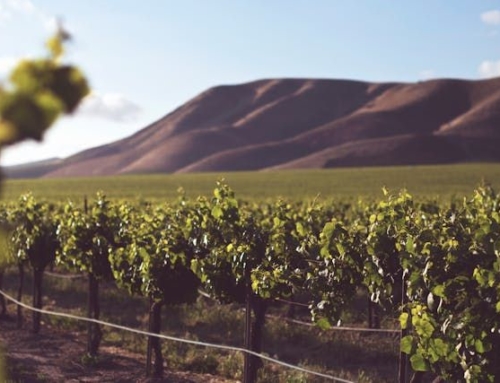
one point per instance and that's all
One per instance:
(305, 123)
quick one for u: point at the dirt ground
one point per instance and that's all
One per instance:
(54, 355)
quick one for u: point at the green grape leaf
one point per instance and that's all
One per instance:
(217, 212)
(323, 324)
(418, 363)
(478, 345)
(407, 344)
(403, 320)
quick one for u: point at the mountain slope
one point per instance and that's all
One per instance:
(296, 123)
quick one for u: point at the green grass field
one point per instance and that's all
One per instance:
(442, 182)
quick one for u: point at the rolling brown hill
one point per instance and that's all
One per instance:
(306, 123)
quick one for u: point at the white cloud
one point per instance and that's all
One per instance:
(50, 23)
(7, 64)
(111, 106)
(427, 74)
(10, 8)
(25, 6)
(5, 14)
(488, 69)
(491, 17)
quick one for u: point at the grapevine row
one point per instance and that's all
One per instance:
(435, 267)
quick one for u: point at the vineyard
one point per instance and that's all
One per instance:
(430, 272)
(440, 182)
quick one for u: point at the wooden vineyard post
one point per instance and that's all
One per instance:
(37, 299)
(403, 358)
(148, 347)
(3, 307)
(154, 346)
(248, 359)
(94, 333)
(20, 295)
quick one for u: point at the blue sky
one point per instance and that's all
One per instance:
(145, 58)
